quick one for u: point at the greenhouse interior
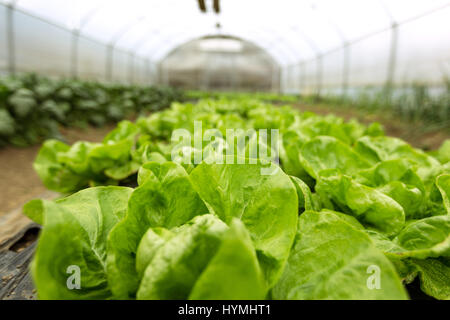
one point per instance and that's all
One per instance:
(225, 150)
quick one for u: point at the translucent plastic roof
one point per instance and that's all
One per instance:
(289, 30)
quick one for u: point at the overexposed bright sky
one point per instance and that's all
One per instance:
(289, 30)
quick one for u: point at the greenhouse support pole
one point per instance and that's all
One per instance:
(294, 78)
(346, 69)
(10, 38)
(274, 77)
(302, 76)
(131, 68)
(285, 79)
(164, 71)
(281, 80)
(74, 53)
(288, 78)
(159, 66)
(392, 60)
(148, 72)
(319, 74)
(155, 72)
(109, 62)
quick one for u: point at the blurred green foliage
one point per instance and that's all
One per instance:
(32, 107)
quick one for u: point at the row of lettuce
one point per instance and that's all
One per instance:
(349, 214)
(263, 96)
(32, 107)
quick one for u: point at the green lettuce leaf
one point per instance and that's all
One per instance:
(167, 199)
(241, 279)
(429, 237)
(398, 180)
(306, 201)
(266, 204)
(174, 267)
(371, 207)
(329, 153)
(74, 236)
(333, 258)
(54, 174)
(377, 149)
(443, 184)
(434, 277)
(443, 154)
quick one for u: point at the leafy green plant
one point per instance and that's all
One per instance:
(30, 99)
(349, 213)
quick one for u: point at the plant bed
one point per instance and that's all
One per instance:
(342, 211)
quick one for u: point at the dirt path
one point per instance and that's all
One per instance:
(18, 181)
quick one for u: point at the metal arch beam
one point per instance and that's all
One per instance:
(143, 40)
(278, 39)
(268, 42)
(197, 34)
(76, 31)
(10, 36)
(128, 27)
(308, 40)
(122, 32)
(189, 37)
(11, 3)
(138, 45)
(392, 50)
(286, 51)
(113, 42)
(153, 32)
(76, 37)
(284, 41)
(330, 21)
(314, 47)
(256, 33)
(345, 46)
(111, 45)
(319, 54)
(259, 42)
(387, 11)
(186, 37)
(89, 16)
